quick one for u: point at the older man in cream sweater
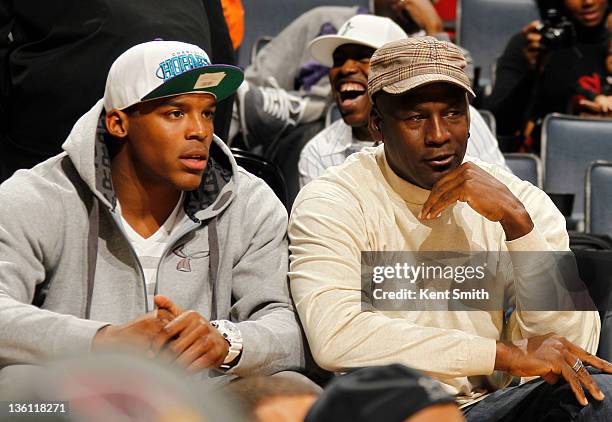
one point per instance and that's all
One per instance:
(416, 193)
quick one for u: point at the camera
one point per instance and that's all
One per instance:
(557, 30)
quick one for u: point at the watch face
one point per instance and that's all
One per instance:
(229, 331)
(234, 332)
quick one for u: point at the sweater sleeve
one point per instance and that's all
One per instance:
(262, 308)
(327, 234)
(30, 241)
(547, 238)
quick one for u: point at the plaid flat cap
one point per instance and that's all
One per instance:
(400, 66)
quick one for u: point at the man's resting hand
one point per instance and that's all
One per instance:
(551, 356)
(195, 343)
(144, 333)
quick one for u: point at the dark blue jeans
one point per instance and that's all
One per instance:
(539, 401)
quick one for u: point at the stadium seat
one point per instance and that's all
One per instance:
(489, 119)
(569, 145)
(598, 198)
(484, 27)
(269, 17)
(525, 166)
(264, 169)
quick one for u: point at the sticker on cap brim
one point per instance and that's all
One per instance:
(209, 80)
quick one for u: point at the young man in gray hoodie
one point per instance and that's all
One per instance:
(146, 234)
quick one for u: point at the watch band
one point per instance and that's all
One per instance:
(231, 334)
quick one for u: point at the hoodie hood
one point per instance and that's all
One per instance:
(86, 146)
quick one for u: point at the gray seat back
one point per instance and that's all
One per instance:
(569, 145)
(525, 166)
(484, 27)
(598, 201)
(489, 119)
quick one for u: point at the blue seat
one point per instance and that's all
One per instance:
(484, 27)
(598, 197)
(525, 166)
(489, 119)
(569, 145)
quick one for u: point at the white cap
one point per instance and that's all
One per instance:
(369, 30)
(159, 69)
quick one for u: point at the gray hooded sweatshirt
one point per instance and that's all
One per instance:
(67, 268)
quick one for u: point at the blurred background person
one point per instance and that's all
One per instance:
(540, 67)
(54, 58)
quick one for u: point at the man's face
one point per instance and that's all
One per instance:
(425, 131)
(349, 82)
(587, 12)
(168, 140)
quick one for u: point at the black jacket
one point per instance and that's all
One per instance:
(520, 94)
(55, 67)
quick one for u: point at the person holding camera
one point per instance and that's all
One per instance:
(538, 72)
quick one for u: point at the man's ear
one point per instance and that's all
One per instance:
(375, 125)
(117, 123)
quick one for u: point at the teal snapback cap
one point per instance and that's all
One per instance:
(159, 69)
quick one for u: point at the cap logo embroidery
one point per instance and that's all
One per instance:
(347, 28)
(209, 80)
(180, 63)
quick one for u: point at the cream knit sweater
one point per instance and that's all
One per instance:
(362, 205)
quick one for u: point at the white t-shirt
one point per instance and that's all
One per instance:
(149, 250)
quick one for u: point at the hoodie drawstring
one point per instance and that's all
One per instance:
(213, 265)
(92, 252)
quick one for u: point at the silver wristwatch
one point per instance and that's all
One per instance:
(231, 333)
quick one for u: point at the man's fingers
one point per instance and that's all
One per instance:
(204, 362)
(589, 359)
(447, 199)
(158, 342)
(584, 377)
(445, 183)
(164, 302)
(189, 337)
(572, 379)
(438, 192)
(197, 350)
(180, 323)
(164, 315)
(587, 380)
